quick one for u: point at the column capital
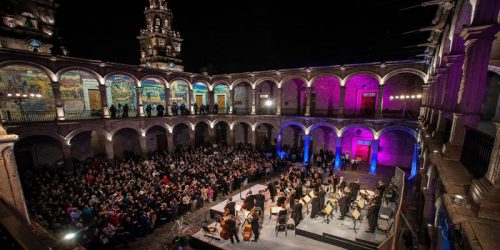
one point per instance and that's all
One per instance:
(473, 33)
(454, 59)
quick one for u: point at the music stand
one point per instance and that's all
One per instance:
(355, 217)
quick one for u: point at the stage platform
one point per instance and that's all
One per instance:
(310, 233)
(219, 208)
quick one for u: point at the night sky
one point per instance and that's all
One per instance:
(240, 36)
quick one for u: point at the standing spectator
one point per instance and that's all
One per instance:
(112, 110)
(216, 108)
(125, 111)
(159, 110)
(148, 110)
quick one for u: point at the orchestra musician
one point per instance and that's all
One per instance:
(249, 201)
(381, 186)
(259, 201)
(272, 190)
(315, 206)
(372, 215)
(329, 188)
(298, 190)
(282, 215)
(377, 199)
(233, 230)
(354, 186)
(335, 180)
(291, 198)
(255, 225)
(231, 206)
(344, 203)
(281, 199)
(321, 197)
(341, 184)
(297, 212)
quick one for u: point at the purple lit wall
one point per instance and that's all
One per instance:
(293, 96)
(400, 84)
(357, 142)
(323, 138)
(356, 87)
(327, 90)
(291, 135)
(396, 149)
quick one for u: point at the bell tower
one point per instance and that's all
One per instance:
(160, 45)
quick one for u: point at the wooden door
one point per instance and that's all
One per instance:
(94, 99)
(221, 103)
(199, 100)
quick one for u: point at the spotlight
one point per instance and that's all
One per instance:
(402, 97)
(25, 95)
(268, 103)
(412, 97)
(435, 151)
(69, 236)
(419, 96)
(407, 97)
(17, 94)
(392, 97)
(9, 94)
(38, 95)
(429, 225)
(397, 97)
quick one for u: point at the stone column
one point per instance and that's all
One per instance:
(211, 135)
(231, 102)
(110, 152)
(170, 141)
(68, 163)
(380, 98)
(254, 102)
(57, 97)
(493, 174)
(442, 92)
(11, 190)
(168, 100)
(308, 102)
(140, 106)
(278, 102)
(191, 137)
(231, 139)
(278, 145)
(190, 100)
(143, 143)
(252, 137)
(424, 107)
(454, 63)
(104, 101)
(338, 152)
(211, 101)
(307, 139)
(342, 101)
(373, 157)
(478, 46)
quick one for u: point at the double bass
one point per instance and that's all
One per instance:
(247, 227)
(224, 232)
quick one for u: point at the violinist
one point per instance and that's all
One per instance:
(281, 199)
(372, 215)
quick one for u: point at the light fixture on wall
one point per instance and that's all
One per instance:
(268, 103)
(404, 98)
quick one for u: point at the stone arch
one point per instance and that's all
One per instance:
(265, 133)
(74, 133)
(357, 125)
(242, 131)
(322, 124)
(156, 137)
(180, 78)
(326, 88)
(293, 95)
(137, 82)
(298, 124)
(361, 94)
(236, 122)
(48, 72)
(357, 73)
(97, 76)
(202, 133)
(180, 95)
(124, 126)
(209, 123)
(292, 77)
(217, 121)
(34, 149)
(124, 143)
(157, 124)
(159, 78)
(220, 82)
(264, 79)
(405, 70)
(221, 131)
(190, 125)
(322, 75)
(407, 130)
(179, 135)
(240, 81)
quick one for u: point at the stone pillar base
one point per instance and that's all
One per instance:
(485, 199)
(378, 115)
(451, 151)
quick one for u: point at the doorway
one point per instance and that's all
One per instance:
(199, 100)
(221, 103)
(368, 103)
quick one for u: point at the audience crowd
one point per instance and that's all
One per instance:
(110, 204)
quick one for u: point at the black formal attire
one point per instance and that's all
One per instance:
(259, 201)
(354, 189)
(292, 199)
(381, 189)
(233, 231)
(321, 198)
(282, 216)
(298, 191)
(281, 201)
(344, 205)
(377, 199)
(272, 190)
(341, 185)
(231, 206)
(255, 227)
(250, 202)
(297, 213)
(372, 216)
(315, 209)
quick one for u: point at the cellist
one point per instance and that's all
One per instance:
(233, 230)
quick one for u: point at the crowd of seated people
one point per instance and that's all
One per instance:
(111, 204)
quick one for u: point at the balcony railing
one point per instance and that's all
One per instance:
(325, 112)
(354, 113)
(83, 115)
(291, 111)
(477, 152)
(242, 111)
(398, 114)
(13, 117)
